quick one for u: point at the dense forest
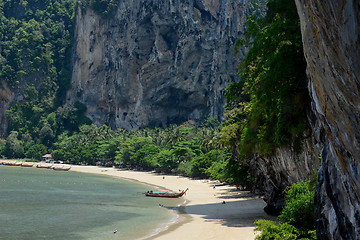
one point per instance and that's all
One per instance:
(265, 108)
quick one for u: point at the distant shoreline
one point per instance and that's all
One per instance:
(212, 213)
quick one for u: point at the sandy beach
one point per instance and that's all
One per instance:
(208, 216)
(216, 213)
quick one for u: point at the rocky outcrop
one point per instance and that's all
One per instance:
(156, 62)
(286, 166)
(331, 37)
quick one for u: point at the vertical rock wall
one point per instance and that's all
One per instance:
(331, 37)
(156, 62)
(286, 166)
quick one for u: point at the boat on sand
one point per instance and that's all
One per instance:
(44, 166)
(165, 194)
(25, 164)
(61, 168)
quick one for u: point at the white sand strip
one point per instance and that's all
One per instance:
(210, 217)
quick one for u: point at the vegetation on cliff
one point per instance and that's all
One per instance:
(35, 53)
(266, 109)
(105, 8)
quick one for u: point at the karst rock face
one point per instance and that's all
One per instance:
(331, 37)
(156, 62)
(286, 166)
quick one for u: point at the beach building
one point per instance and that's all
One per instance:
(47, 157)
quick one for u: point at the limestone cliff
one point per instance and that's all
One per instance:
(286, 166)
(331, 37)
(156, 62)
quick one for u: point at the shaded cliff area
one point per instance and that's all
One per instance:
(273, 174)
(156, 62)
(268, 115)
(331, 37)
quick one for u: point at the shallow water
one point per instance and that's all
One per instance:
(48, 204)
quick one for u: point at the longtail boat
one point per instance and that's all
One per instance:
(165, 194)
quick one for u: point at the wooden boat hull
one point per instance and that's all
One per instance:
(27, 165)
(165, 194)
(43, 166)
(60, 169)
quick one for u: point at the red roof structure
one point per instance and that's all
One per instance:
(47, 156)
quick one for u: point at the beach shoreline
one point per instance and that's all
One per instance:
(220, 212)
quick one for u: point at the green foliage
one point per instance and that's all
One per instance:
(299, 209)
(107, 148)
(105, 8)
(83, 146)
(256, 8)
(298, 220)
(185, 151)
(2, 146)
(35, 43)
(36, 151)
(14, 148)
(283, 231)
(210, 123)
(185, 168)
(36, 39)
(127, 151)
(267, 107)
(147, 156)
(166, 160)
(201, 164)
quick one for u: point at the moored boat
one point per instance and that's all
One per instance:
(44, 166)
(61, 168)
(165, 194)
(25, 164)
(12, 163)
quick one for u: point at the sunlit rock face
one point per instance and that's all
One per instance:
(156, 62)
(331, 37)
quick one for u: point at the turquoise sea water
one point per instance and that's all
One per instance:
(48, 204)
